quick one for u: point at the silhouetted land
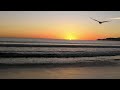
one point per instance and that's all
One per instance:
(111, 39)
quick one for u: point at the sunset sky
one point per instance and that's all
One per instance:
(70, 25)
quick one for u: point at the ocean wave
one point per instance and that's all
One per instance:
(69, 46)
(76, 64)
(58, 54)
(52, 62)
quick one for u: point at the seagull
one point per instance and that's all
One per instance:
(100, 22)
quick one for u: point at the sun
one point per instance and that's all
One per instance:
(71, 37)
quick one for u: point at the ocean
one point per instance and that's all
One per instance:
(58, 59)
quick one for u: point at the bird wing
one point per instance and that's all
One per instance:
(105, 21)
(94, 19)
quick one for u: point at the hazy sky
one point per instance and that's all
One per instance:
(59, 24)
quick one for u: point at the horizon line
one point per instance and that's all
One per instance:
(44, 38)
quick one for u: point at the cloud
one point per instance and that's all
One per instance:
(115, 18)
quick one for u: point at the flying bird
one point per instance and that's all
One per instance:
(100, 22)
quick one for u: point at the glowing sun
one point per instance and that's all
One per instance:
(71, 37)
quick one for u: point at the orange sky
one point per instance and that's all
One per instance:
(58, 25)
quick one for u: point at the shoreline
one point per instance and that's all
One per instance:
(53, 65)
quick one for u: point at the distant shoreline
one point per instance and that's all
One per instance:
(110, 39)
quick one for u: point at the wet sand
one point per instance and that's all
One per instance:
(104, 72)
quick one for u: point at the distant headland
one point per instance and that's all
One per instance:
(111, 39)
